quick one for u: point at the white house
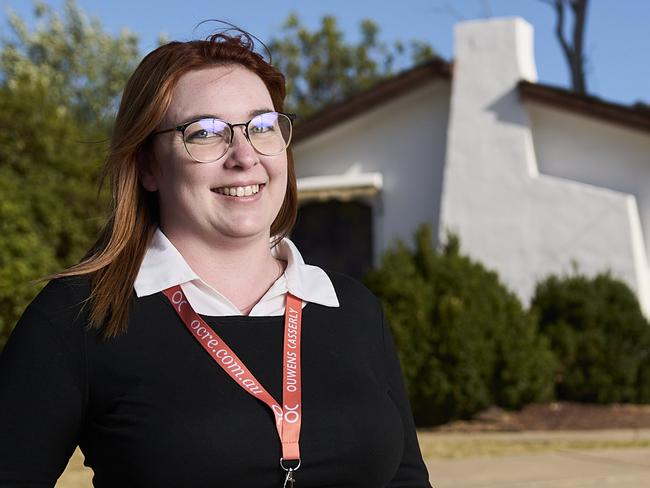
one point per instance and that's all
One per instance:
(532, 178)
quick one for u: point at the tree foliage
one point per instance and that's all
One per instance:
(58, 89)
(600, 337)
(83, 67)
(465, 341)
(322, 68)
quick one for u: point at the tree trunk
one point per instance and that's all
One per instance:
(574, 52)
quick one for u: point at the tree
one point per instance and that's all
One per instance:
(573, 50)
(59, 86)
(83, 67)
(321, 68)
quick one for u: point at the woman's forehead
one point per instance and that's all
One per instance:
(222, 91)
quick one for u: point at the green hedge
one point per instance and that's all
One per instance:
(465, 341)
(599, 335)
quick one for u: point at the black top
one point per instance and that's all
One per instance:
(152, 409)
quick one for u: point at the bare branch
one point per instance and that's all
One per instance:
(448, 9)
(559, 27)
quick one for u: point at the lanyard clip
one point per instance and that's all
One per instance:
(289, 481)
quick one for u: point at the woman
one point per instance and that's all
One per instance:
(201, 378)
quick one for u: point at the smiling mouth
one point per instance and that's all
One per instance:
(239, 191)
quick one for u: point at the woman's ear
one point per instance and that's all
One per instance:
(146, 171)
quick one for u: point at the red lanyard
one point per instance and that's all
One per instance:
(287, 418)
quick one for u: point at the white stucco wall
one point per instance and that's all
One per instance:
(404, 140)
(595, 152)
(522, 223)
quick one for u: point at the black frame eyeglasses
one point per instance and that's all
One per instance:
(208, 139)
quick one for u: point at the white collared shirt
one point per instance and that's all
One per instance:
(164, 266)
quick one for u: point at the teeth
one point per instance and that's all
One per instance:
(239, 191)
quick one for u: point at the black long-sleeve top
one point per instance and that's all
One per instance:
(152, 409)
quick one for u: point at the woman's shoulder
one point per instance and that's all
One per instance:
(62, 297)
(350, 290)
(53, 323)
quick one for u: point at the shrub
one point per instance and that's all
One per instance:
(600, 336)
(465, 342)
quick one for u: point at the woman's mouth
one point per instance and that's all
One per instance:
(239, 191)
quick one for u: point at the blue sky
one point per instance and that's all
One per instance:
(617, 39)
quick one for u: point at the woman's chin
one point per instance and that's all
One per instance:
(243, 231)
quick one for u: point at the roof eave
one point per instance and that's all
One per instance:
(381, 93)
(590, 106)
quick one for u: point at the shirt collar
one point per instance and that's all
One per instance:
(163, 266)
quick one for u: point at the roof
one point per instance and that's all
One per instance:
(363, 101)
(634, 117)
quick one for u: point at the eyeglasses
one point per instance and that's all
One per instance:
(207, 140)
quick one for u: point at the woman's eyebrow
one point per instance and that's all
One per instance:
(192, 118)
(260, 111)
(251, 114)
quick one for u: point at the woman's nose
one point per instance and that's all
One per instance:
(241, 152)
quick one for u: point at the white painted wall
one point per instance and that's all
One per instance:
(404, 140)
(592, 151)
(523, 224)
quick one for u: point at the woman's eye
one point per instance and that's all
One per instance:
(201, 135)
(261, 128)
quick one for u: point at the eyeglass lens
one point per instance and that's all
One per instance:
(207, 140)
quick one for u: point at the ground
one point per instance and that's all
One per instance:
(556, 416)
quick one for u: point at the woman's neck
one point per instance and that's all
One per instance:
(241, 269)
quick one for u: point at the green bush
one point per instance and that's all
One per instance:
(464, 340)
(599, 335)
